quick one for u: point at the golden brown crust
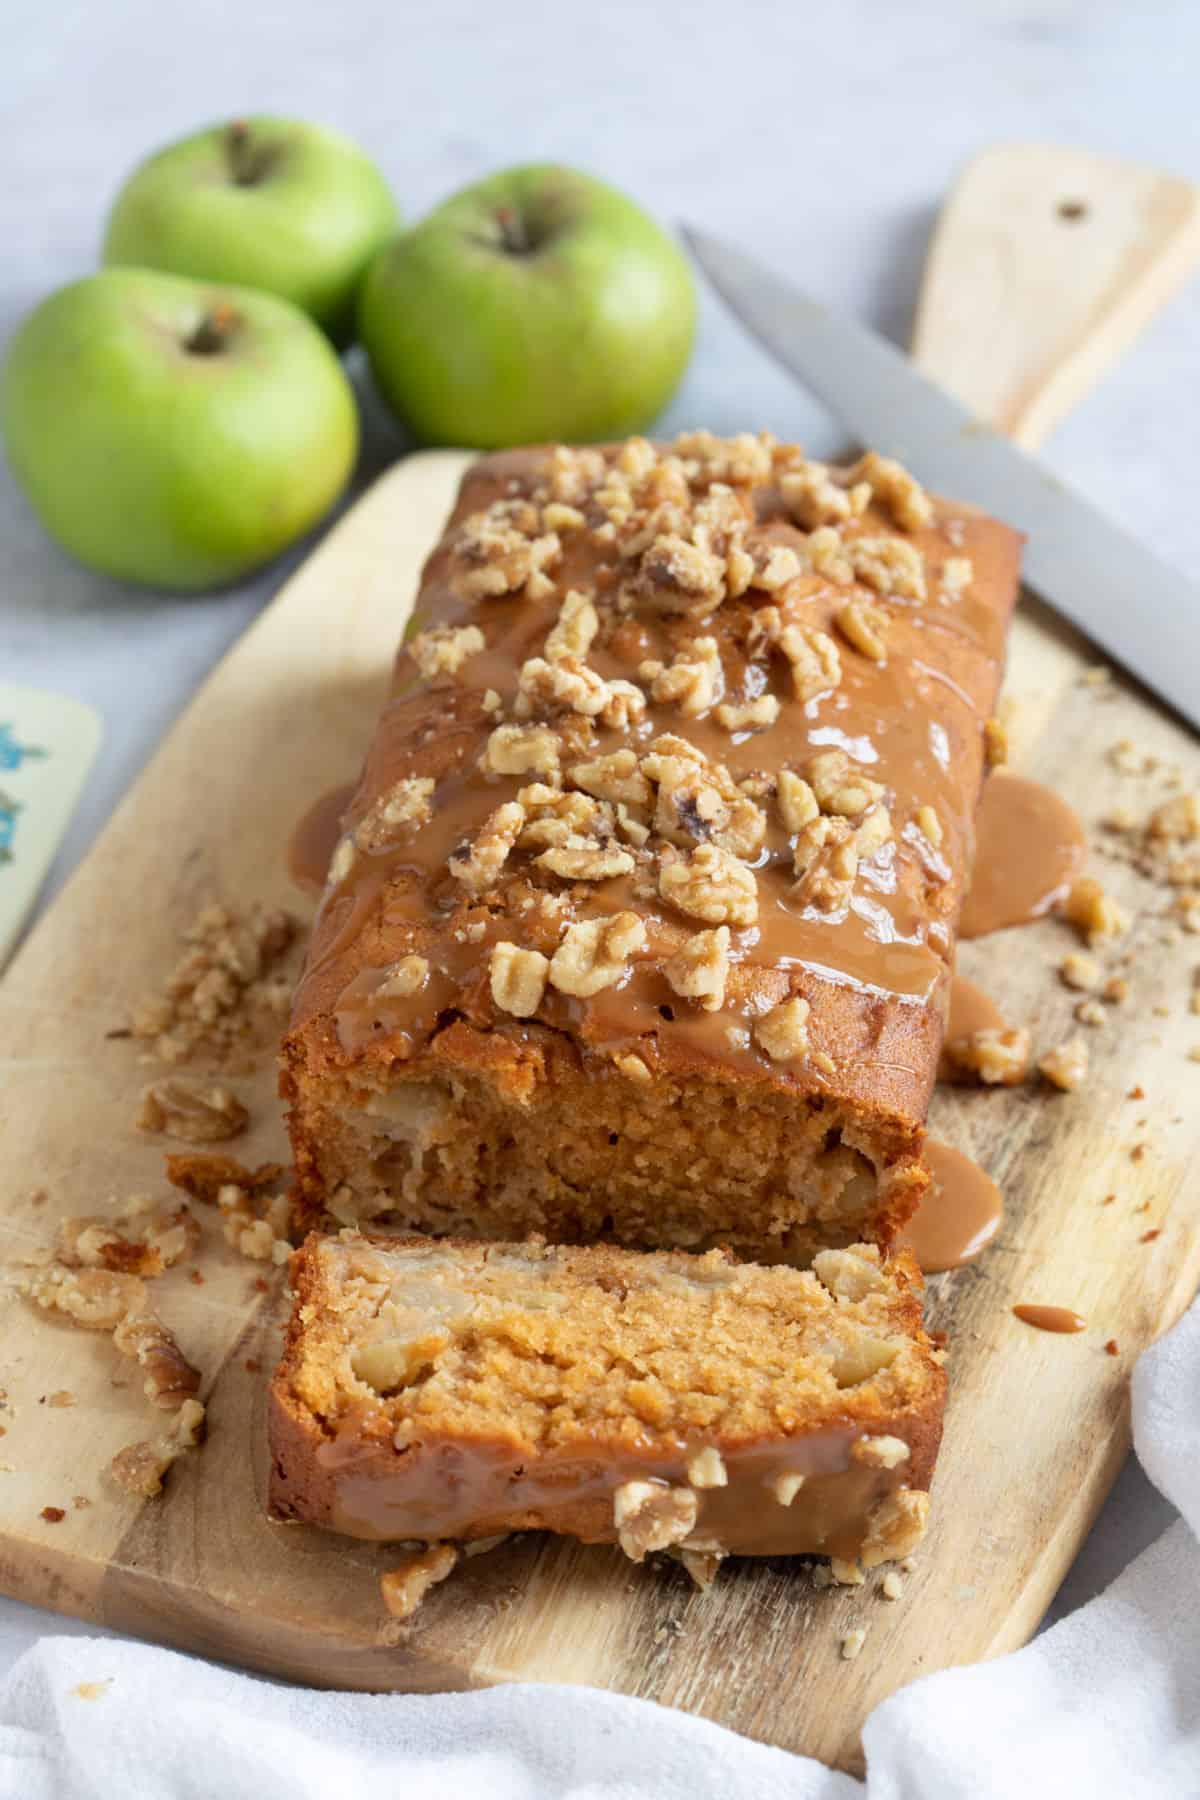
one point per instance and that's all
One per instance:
(529, 1387)
(466, 944)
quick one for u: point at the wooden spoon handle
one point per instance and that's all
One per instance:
(1044, 265)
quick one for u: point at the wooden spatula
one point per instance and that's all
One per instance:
(1045, 264)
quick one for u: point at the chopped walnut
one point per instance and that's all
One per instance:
(203, 1176)
(902, 494)
(891, 1587)
(194, 1115)
(1176, 821)
(710, 884)
(170, 1377)
(633, 1068)
(445, 649)
(255, 1224)
(694, 681)
(744, 460)
(895, 1527)
(225, 988)
(615, 777)
(477, 865)
(584, 859)
(797, 803)
(815, 658)
(825, 860)
(576, 626)
(139, 1468)
(1090, 1012)
(700, 967)
(749, 715)
(702, 1565)
(403, 979)
(993, 1056)
(406, 804)
(521, 750)
(595, 953)
(558, 516)
(774, 566)
(863, 626)
(554, 816)
(889, 565)
(1066, 1066)
(97, 1299)
(698, 801)
(813, 498)
(404, 1587)
(1093, 913)
(1079, 971)
(706, 1469)
(503, 552)
(840, 786)
(852, 1644)
(880, 1452)
(95, 1243)
(518, 979)
(678, 576)
(649, 1515)
(873, 832)
(846, 1571)
(785, 1486)
(570, 685)
(958, 572)
(783, 1032)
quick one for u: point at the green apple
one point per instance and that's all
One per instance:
(173, 433)
(294, 209)
(540, 304)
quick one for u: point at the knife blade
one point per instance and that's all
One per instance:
(1144, 613)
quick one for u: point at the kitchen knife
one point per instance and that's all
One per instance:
(1139, 609)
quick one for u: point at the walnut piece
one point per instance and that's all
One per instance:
(518, 979)
(880, 1452)
(840, 786)
(140, 1468)
(521, 750)
(595, 953)
(694, 681)
(890, 482)
(97, 1299)
(444, 650)
(649, 1515)
(404, 806)
(863, 626)
(576, 626)
(991, 1055)
(615, 777)
(404, 979)
(710, 885)
(797, 803)
(477, 865)
(700, 967)
(1065, 1066)
(706, 1469)
(1093, 913)
(815, 658)
(203, 1176)
(255, 1224)
(170, 1377)
(226, 987)
(195, 1115)
(404, 1587)
(585, 859)
(503, 552)
(783, 1032)
(749, 715)
(95, 1243)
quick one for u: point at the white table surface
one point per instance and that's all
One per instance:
(821, 133)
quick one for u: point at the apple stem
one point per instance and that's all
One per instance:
(245, 159)
(513, 235)
(213, 332)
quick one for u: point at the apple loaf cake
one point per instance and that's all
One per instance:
(441, 1390)
(641, 921)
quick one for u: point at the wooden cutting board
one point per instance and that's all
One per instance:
(1037, 1424)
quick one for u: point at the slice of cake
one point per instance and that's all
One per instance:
(451, 1391)
(641, 924)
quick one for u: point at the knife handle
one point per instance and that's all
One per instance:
(1044, 265)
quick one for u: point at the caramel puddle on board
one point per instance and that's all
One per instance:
(1050, 1318)
(959, 1216)
(1030, 846)
(314, 839)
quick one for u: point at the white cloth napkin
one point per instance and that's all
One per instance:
(1107, 1703)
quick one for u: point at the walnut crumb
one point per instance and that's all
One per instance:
(699, 968)
(852, 1644)
(444, 650)
(140, 1468)
(891, 1587)
(863, 625)
(846, 1571)
(1093, 913)
(1066, 1066)
(404, 1587)
(649, 1515)
(785, 1487)
(706, 1469)
(881, 1452)
(712, 885)
(595, 953)
(170, 1377)
(783, 1032)
(518, 979)
(175, 1108)
(994, 1056)
(1090, 1012)
(1079, 971)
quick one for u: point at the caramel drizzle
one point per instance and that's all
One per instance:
(912, 723)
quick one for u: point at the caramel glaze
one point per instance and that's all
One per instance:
(873, 972)
(360, 1487)
(1051, 1318)
(314, 839)
(959, 1215)
(1031, 847)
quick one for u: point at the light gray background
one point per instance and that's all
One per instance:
(819, 134)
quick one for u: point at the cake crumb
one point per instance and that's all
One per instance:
(91, 1690)
(404, 1587)
(1112, 1347)
(852, 1644)
(891, 1587)
(53, 1515)
(1079, 971)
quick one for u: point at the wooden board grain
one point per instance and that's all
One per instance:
(1037, 1423)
